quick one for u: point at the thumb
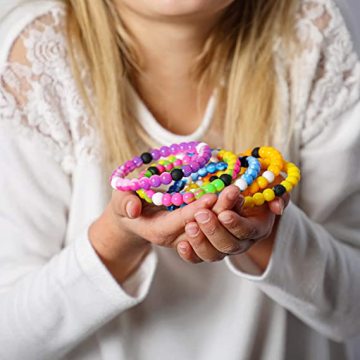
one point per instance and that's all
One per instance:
(126, 204)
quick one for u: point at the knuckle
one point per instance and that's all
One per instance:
(215, 257)
(211, 228)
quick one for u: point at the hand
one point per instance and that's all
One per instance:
(123, 234)
(229, 230)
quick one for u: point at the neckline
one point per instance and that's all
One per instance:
(160, 134)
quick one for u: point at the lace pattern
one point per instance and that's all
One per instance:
(38, 97)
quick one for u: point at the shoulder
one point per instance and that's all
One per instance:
(38, 93)
(17, 16)
(325, 73)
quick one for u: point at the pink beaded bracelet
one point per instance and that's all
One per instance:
(201, 155)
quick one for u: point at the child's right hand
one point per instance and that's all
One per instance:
(123, 234)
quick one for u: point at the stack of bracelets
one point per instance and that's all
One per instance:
(178, 174)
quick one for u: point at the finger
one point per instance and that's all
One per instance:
(227, 199)
(278, 205)
(217, 234)
(246, 230)
(162, 227)
(187, 253)
(126, 204)
(201, 246)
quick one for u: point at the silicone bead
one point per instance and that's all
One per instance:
(209, 189)
(166, 178)
(188, 197)
(177, 199)
(166, 200)
(269, 176)
(145, 183)
(219, 185)
(241, 184)
(155, 181)
(258, 199)
(157, 198)
(269, 194)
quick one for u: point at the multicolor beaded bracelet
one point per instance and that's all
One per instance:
(201, 155)
(292, 178)
(271, 162)
(216, 186)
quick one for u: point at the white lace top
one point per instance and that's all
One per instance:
(57, 300)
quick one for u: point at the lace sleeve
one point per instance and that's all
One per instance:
(38, 95)
(330, 59)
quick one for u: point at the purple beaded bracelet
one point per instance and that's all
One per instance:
(201, 155)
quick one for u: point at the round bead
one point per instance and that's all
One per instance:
(155, 153)
(157, 199)
(177, 199)
(244, 161)
(226, 179)
(174, 148)
(258, 199)
(154, 170)
(248, 201)
(161, 168)
(262, 182)
(166, 200)
(165, 151)
(199, 193)
(137, 161)
(254, 188)
(292, 180)
(210, 188)
(213, 178)
(249, 179)
(188, 197)
(269, 194)
(155, 181)
(219, 185)
(287, 185)
(255, 152)
(279, 190)
(166, 178)
(187, 170)
(194, 166)
(177, 174)
(211, 168)
(169, 167)
(146, 158)
(145, 183)
(202, 172)
(269, 176)
(241, 184)
(134, 185)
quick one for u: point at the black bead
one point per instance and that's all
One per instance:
(213, 178)
(279, 190)
(255, 152)
(244, 162)
(177, 174)
(227, 179)
(146, 158)
(154, 170)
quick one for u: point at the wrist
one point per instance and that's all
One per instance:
(120, 250)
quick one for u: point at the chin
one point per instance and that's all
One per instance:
(175, 8)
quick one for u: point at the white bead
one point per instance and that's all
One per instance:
(269, 176)
(241, 184)
(200, 183)
(116, 182)
(157, 198)
(200, 147)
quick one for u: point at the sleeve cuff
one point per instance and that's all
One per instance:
(243, 266)
(134, 289)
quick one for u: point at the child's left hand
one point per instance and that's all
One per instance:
(228, 229)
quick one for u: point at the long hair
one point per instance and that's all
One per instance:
(237, 58)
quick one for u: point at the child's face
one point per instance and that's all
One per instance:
(174, 8)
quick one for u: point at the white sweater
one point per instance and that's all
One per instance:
(57, 300)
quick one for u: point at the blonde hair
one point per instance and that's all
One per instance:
(238, 54)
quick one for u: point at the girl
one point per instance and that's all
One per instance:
(86, 274)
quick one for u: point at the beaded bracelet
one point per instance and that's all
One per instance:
(178, 199)
(292, 178)
(202, 154)
(271, 162)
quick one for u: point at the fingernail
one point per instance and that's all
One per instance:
(202, 217)
(183, 247)
(225, 218)
(192, 229)
(129, 210)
